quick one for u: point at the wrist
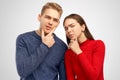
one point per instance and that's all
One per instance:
(79, 52)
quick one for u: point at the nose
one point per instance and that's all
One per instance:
(69, 30)
(51, 22)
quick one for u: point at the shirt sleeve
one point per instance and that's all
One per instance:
(68, 67)
(62, 75)
(62, 71)
(26, 64)
(94, 68)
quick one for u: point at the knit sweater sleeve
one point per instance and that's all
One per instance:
(26, 64)
(61, 68)
(68, 67)
(62, 75)
(94, 68)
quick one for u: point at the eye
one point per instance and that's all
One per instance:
(48, 17)
(66, 28)
(72, 26)
(56, 20)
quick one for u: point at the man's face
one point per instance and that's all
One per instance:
(49, 20)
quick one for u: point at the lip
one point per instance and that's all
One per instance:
(71, 36)
(48, 27)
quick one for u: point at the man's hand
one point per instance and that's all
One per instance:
(48, 39)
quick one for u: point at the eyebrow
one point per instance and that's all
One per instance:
(56, 19)
(53, 17)
(70, 24)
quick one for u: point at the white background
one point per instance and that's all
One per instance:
(19, 16)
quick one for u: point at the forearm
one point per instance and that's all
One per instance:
(62, 75)
(68, 67)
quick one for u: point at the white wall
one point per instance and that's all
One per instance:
(18, 16)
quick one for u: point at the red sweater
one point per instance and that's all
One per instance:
(88, 65)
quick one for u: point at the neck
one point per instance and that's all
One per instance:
(38, 32)
(82, 38)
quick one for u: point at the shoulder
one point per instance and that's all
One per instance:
(99, 44)
(96, 44)
(24, 35)
(96, 41)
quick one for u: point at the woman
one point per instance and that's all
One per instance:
(85, 57)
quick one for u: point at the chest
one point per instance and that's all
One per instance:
(54, 54)
(88, 50)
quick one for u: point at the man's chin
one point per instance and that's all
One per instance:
(47, 32)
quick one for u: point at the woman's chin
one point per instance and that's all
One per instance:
(72, 38)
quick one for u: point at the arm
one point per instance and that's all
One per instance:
(68, 67)
(62, 75)
(61, 67)
(26, 64)
(94, 68)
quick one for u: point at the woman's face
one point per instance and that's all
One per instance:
(73, 29)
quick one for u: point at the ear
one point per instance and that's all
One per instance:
(39, 17)
(83, 27)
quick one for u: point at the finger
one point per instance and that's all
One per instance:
(43, 35)
(69, 46)
(51, 37)
(71, 41)
(52, 31)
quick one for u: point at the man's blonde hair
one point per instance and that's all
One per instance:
(52, 5)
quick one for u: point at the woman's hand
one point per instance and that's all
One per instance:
(74, 46)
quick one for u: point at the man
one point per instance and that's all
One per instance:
(40, 53)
